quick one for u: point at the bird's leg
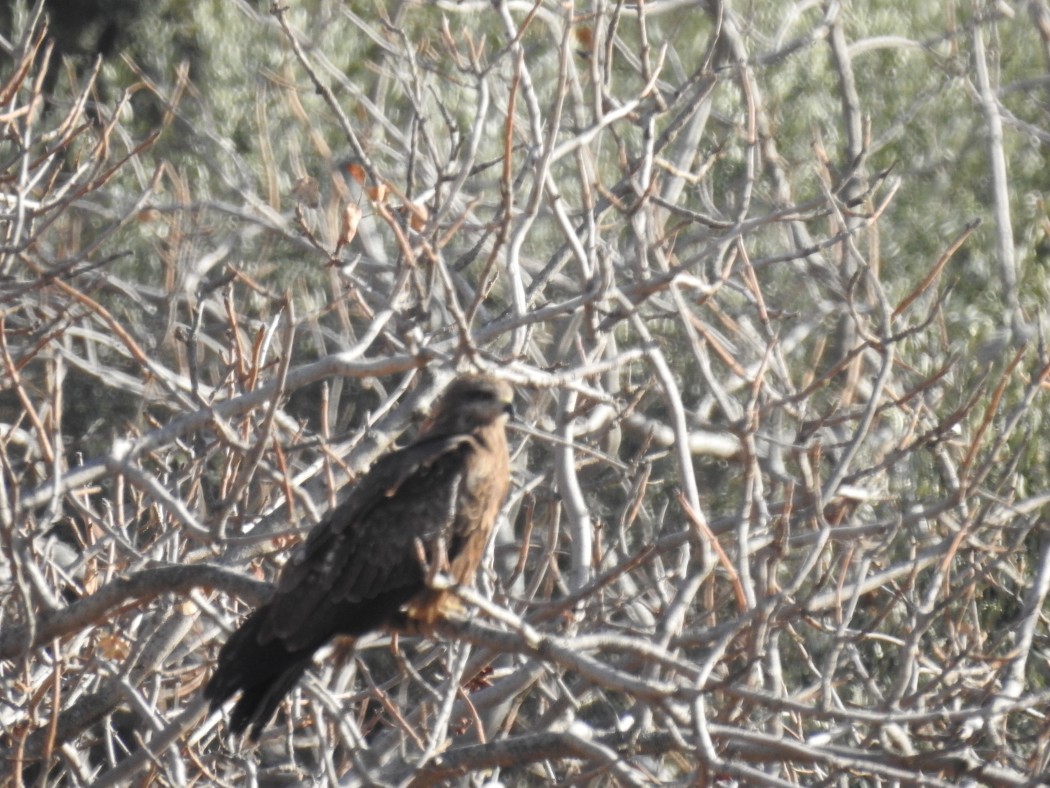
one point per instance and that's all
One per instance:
(404, 625)
(440, 580)
(437, 564)
(401, 623)
(437, 601)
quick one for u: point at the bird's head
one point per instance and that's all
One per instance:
(470, 402)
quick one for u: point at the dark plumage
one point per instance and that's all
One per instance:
(361, 567)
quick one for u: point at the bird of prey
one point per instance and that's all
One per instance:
(431, 504)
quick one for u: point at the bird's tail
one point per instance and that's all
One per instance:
(262, 672)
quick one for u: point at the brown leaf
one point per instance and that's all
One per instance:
(307, 191)
(114, 646)
(348, 228)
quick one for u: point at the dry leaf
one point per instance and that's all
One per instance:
(585, 39)
(307, 191)
(348, 228)
(355, 171)
(417, 215)
(377, 193)
(114, 646)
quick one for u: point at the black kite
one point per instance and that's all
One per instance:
(363, 566)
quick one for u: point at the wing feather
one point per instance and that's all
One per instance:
(364, 552)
